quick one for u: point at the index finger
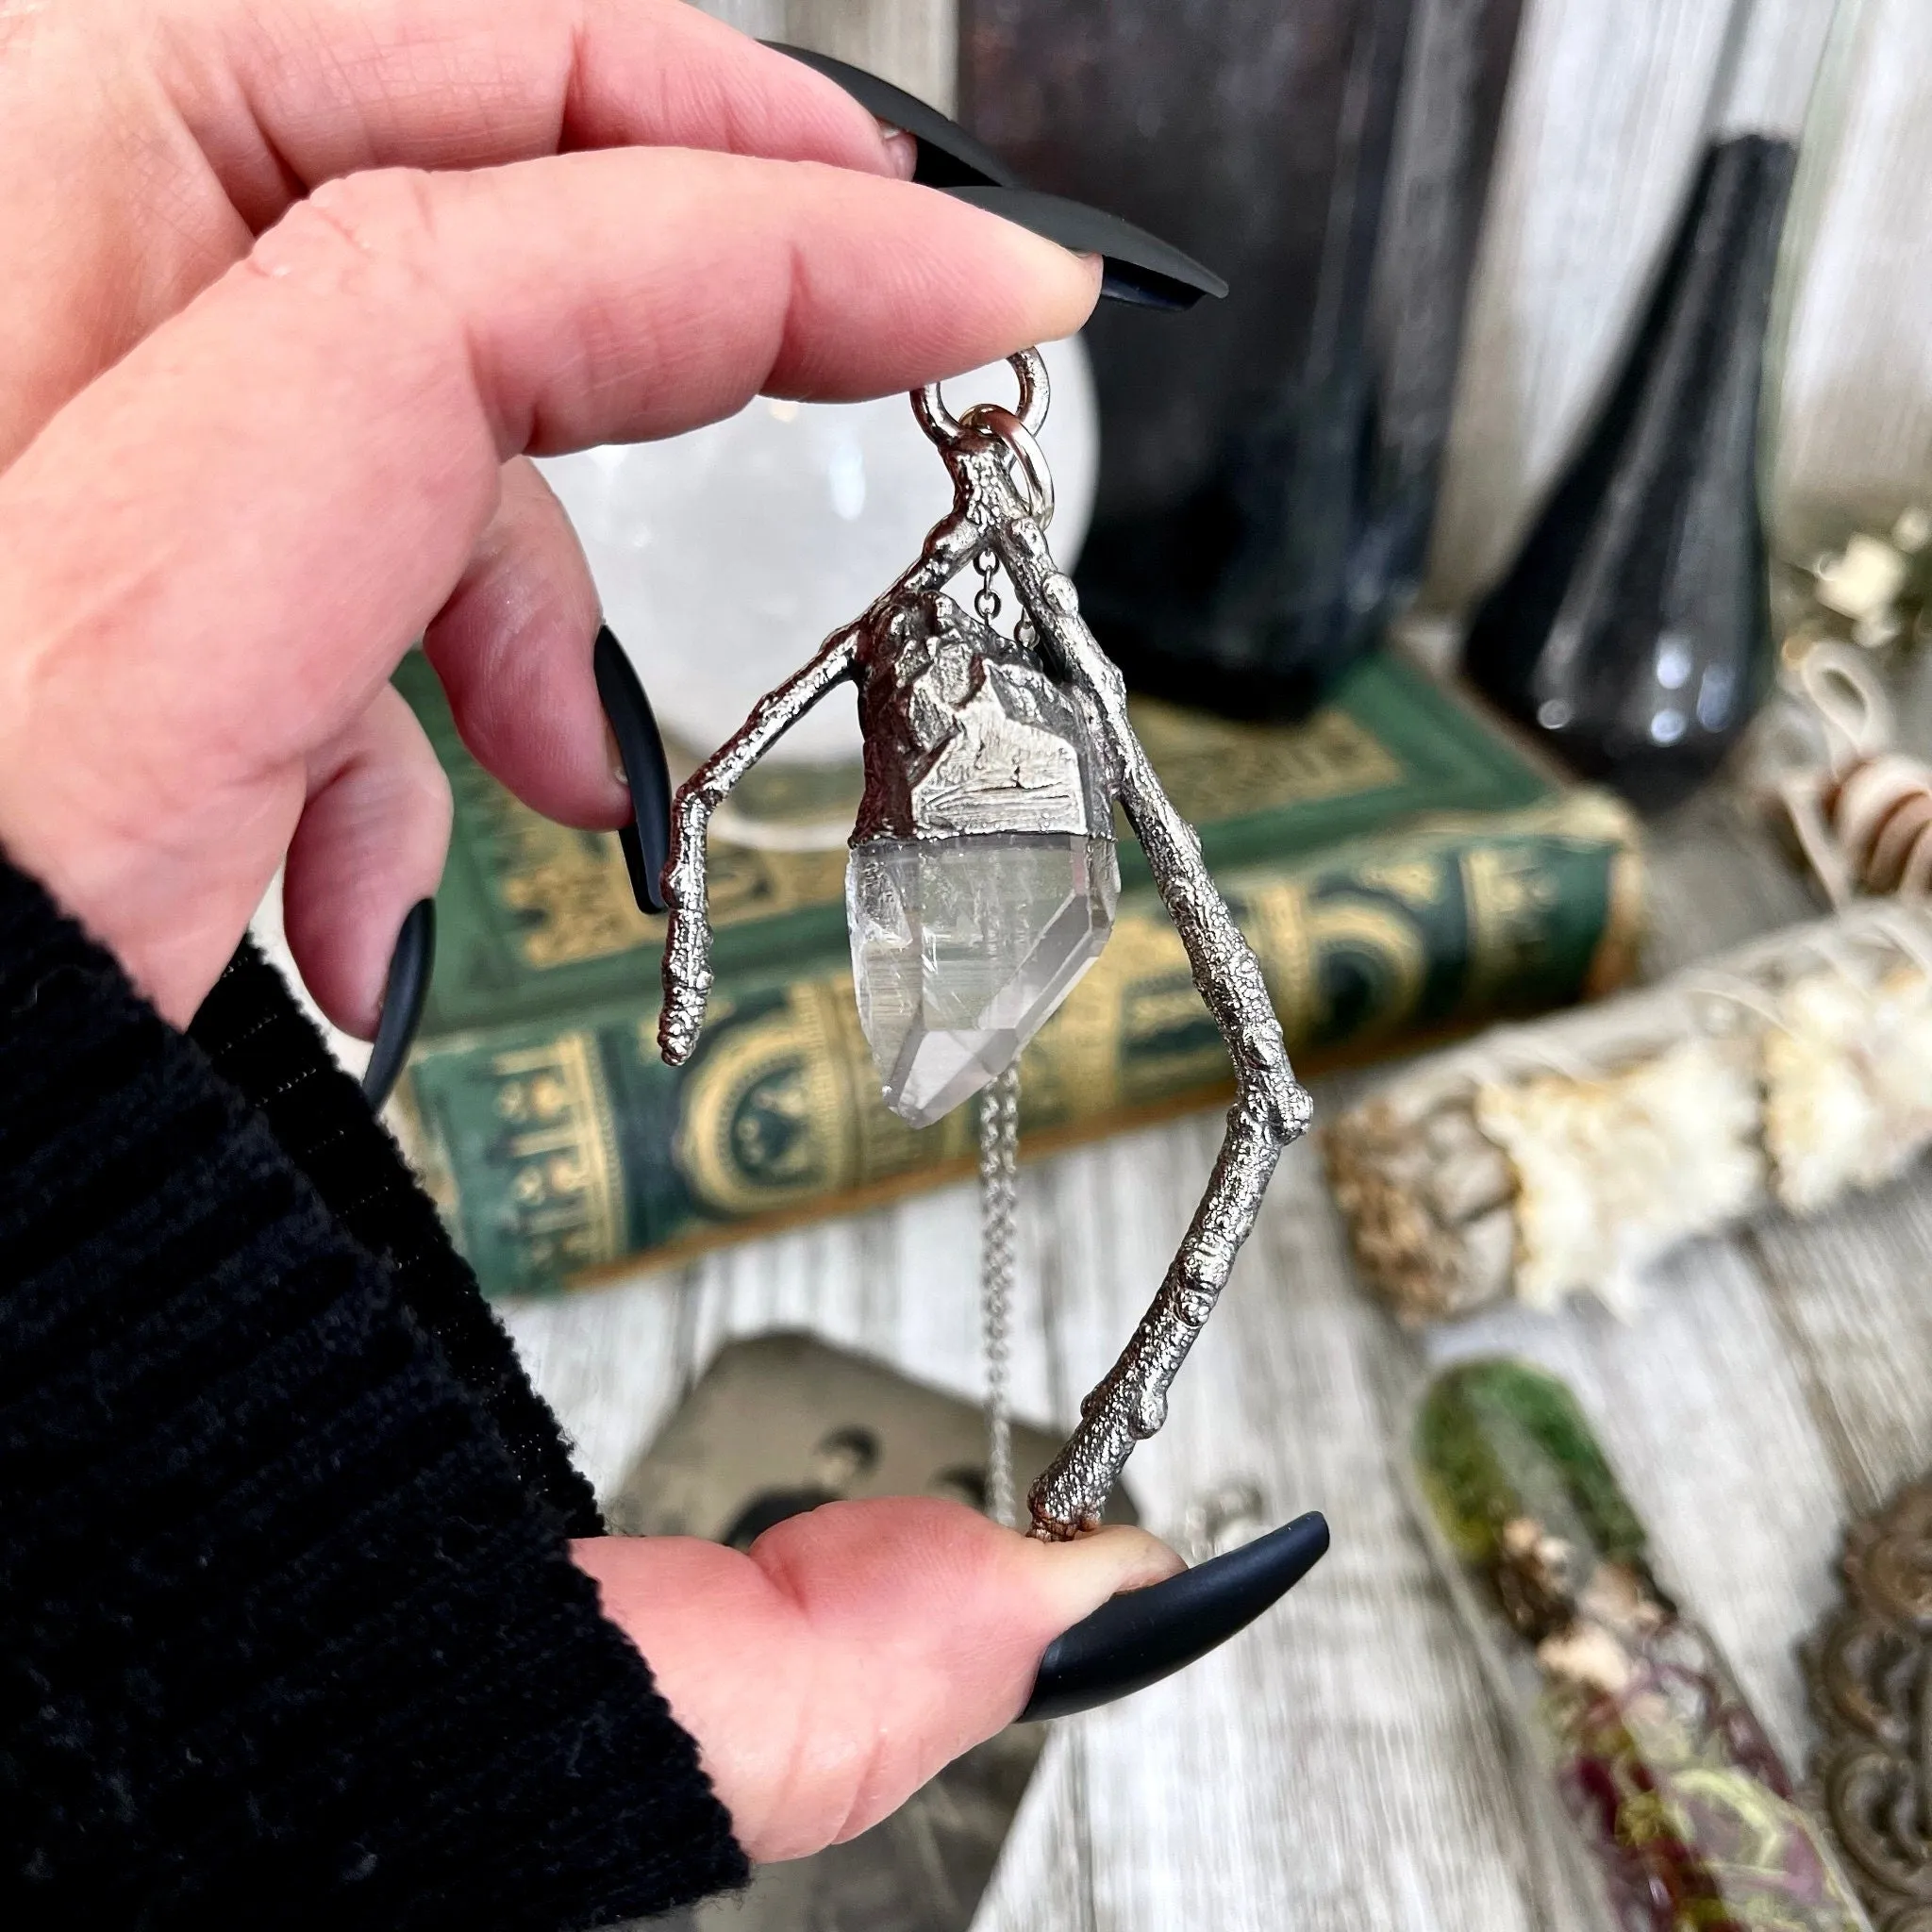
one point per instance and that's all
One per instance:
(147, 141)
(214, 555)
(286, 96)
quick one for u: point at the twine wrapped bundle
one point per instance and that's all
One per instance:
(1565, 1156)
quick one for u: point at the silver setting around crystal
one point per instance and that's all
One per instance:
(971, 734)
(965, 733)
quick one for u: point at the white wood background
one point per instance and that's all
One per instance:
(1856, 402)
(1608, 102)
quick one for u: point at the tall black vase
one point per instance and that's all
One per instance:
(1269, 462)
(1632, 633)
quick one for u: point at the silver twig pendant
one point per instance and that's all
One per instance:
(983, 877)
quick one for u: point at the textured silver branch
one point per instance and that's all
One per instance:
(687, 936)
(990, 462)
(688, 932)
(1270, 1108)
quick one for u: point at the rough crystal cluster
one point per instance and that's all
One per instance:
(962, 947)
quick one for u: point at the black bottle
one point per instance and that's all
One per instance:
(1632, 633)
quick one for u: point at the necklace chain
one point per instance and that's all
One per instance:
(987, 600)
(999, 1143)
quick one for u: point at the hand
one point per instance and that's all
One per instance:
(263, 442)
(854, 1652)
(292, 285)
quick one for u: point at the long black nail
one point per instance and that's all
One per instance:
(1139, 268)
(1141, 1635)
(648, 839)
(410, 967)
(948, 155)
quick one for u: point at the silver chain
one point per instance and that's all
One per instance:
(987, 600)
(999, 1158)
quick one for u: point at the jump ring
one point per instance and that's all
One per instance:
(946, 428)
(990, 418)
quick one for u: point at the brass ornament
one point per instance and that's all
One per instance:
(1870, 1672)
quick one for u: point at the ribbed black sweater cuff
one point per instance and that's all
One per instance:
(261, 1043)
(288, 1631)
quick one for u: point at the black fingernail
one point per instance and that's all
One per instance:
(1141, 268)
(1138, 268)
(648, 839)
(407, 987)
(948, 155)
(1141, 1635)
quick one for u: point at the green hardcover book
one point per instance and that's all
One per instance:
(1400, 867)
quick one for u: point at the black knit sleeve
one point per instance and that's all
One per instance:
(288, 1632)
(264, 1046)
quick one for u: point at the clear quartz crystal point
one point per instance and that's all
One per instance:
(962, 947)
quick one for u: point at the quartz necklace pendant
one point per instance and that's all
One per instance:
(982, 884)
(983, 877)
(983, 881)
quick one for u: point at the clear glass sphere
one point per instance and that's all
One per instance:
(725, 556)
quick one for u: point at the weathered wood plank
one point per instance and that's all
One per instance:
(1338, 1762)
(1713, 881)
(1856, 411)
(1851, 1291)
(1045, 1881)
(613, 1366)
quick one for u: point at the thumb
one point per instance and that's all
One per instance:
(854, 1651)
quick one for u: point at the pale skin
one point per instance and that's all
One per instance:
(293, 288)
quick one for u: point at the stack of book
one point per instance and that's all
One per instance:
(1402, 869)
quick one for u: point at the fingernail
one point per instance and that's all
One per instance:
(902, 150)
(646, 840)
(613, 755)
(407, 986)
(1141, 1636)
(1137, 267)
(1122, 1559)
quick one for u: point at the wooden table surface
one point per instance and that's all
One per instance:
(1339, 1767)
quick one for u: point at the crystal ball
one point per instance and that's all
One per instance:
(725, 556)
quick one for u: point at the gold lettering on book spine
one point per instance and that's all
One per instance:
(1294, 933)
(1214, 769)
(1510, 895)
(564, 1180)
(571, 895)
(786, 1106)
